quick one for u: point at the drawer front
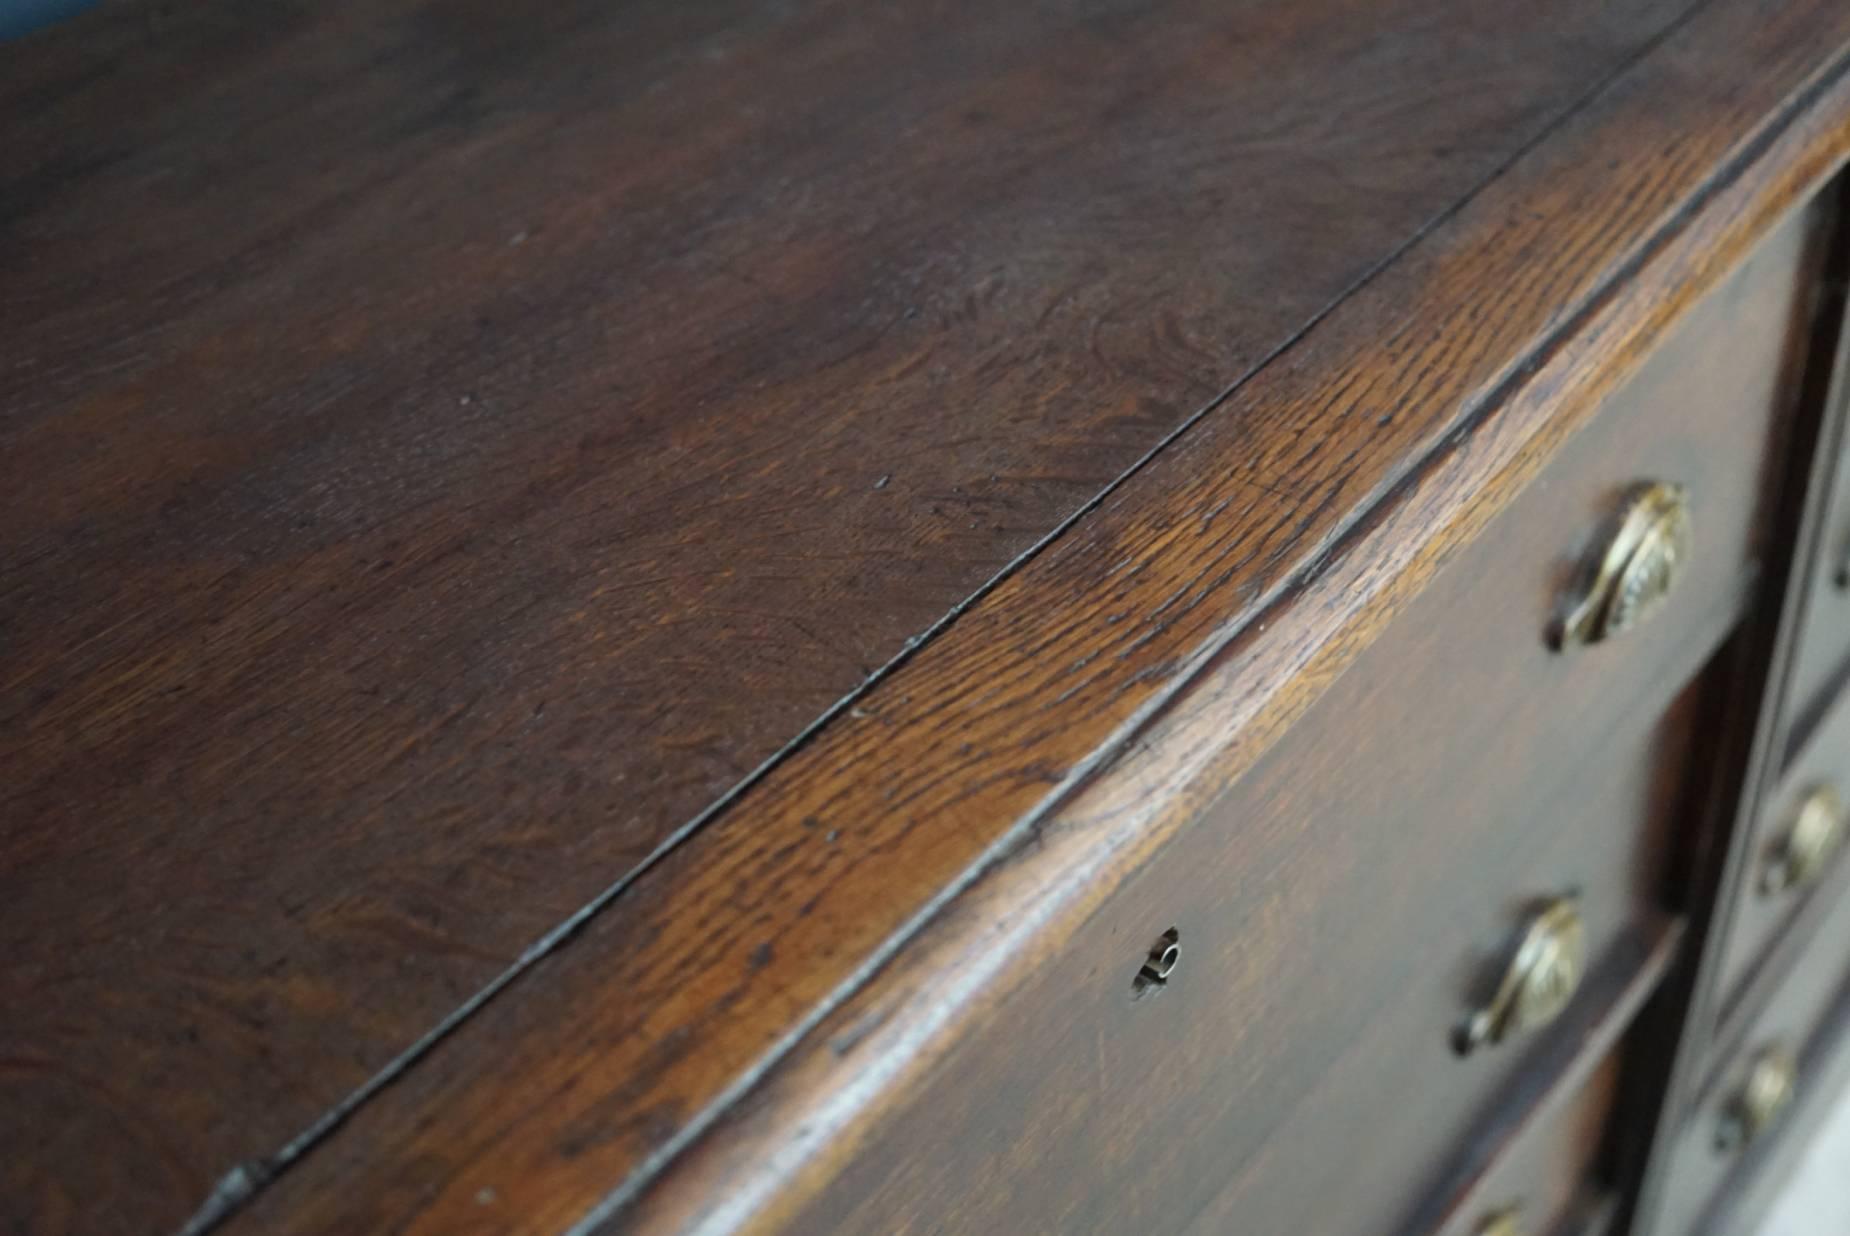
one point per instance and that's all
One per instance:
(1723, 1141)
(1371, 1049)
(1341, 910)
(1537, 1166)
(1542, 1183)
(1796, 852)
(1821, 656)
(1296, 1071)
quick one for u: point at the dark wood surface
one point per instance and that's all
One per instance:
(746, 1009)
(447, 448)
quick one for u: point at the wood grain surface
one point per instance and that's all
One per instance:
(445, 449)
(747, 1008)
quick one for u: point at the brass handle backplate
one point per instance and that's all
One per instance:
(1538, 982)
(1814, 837)
(1771, 1080)
(1635, 569)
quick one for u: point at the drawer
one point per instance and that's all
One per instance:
(1538, 1167)
(1330, 946)
(1547, 1178)
(1379, 1053)
(1716, 1151)
(1821, 654)
(1796, 849)
(1341, 910)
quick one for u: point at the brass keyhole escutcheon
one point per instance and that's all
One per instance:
(1159, 964)
(1809, 844)
(1538, 982)
(1636, 566)
(1767, 1091)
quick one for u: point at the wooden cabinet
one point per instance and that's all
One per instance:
(1061, 618)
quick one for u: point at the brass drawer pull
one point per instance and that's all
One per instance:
(1539, 981)
(1763, 1097)
(1817, 833)
(1635, 570)
(1507, 1222)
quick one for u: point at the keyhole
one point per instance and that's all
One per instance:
(1159, 965)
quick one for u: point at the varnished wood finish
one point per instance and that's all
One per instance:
(451, 541)
(614, 1057)
(447, 449)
